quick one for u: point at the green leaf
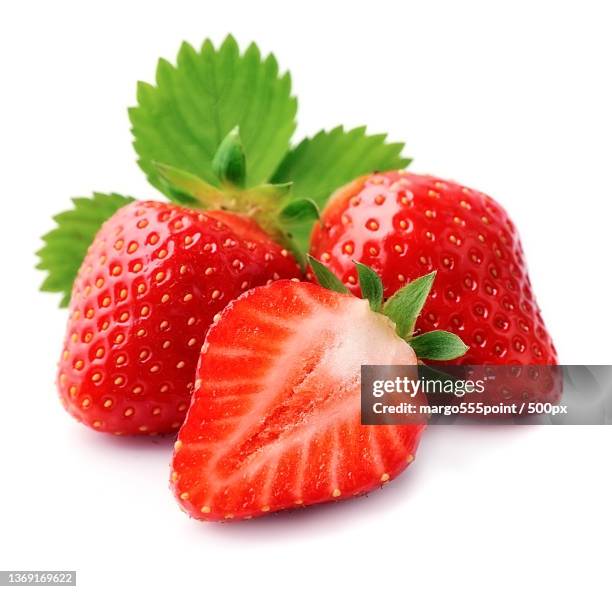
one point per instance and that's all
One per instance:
(65, 246)
(184, 117)
(325, 277)
(319, 165)
(438, 345)
(371, 286)
(299, 210)
(229, 162)
(405, 305)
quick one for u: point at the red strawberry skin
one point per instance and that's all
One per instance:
(146, 293)
(275, 417)
(404, 225)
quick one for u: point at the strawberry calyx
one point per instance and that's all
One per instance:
(270, 205)
(229, 162)
(403, 309)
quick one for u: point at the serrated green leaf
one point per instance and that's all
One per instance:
(405, 305)
(438, 345)
(65, 246)
(319, 165)
(371, 286)
(183, 119)
(325, 277)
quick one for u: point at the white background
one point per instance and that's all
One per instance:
(513, 98)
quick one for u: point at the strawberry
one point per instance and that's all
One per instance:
(147, 291)
(152, 281)
(275, 416)
(403, 225)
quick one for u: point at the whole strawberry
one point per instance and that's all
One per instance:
(146, 293)
(404, 225)
(152, 281)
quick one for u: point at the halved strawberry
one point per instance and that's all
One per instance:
(275, 416)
